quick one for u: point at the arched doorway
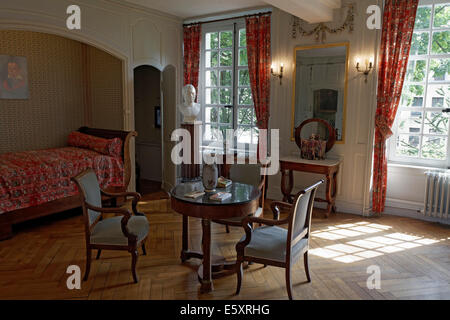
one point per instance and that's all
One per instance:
(148, 124)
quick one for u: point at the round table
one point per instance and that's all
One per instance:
(243, 202)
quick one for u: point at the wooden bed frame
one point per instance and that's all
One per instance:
(7, 219)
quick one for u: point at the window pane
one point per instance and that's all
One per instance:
(409, 122)
(211, 59)
(243, 57)
(223, 132)
(225, 78)
(245, 116)
(438, 96)
(210, 114)
(212, 40)
(245, 96)
(439, 70)
(413, 96)
(244, 78)
(416, 70)
(242, 38)
(211, 78)
(419, 43)
(226, 39)
(225, 96)
(434, 148)
(441, 42)
(442, 15)
(226, 58)
(211, 96)
(226, 115)
(435, 123)
(244, 135)
(211, 132)
(423, 17)
(255, 135)
(408, 145)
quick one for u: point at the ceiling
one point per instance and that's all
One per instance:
(194, 8)
(312, 11)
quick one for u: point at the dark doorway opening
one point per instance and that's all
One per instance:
(148, 117)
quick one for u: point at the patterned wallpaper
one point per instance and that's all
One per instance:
(57, 82)
(106, 89)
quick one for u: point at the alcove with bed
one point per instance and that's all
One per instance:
(37, 183)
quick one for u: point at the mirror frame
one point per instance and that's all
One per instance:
(294, 76)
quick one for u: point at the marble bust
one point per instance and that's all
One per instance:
(189, 108)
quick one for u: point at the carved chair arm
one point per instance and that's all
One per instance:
(276, 205)
(126, 216)
(268, 222)
(136, 197)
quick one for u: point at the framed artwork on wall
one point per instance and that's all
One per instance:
(326, 100)
(13, 77)
(158, 117)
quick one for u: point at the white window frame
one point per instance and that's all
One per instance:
(392, 156)
(235, 25)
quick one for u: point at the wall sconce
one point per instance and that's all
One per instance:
(279, 75)
(369, 68)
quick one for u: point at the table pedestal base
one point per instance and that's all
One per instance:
(220, 267)
(216, 266)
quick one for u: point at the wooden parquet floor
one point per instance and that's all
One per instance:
(413, 256)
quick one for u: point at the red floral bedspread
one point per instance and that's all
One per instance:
(34, 177)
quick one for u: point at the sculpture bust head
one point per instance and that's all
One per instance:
(189, 108)
(189, 94)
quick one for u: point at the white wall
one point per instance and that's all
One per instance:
(133, 34)
(405, 188)
(356, 152)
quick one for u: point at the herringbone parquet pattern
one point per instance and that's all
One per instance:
(413, 256)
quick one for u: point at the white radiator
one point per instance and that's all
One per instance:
(437, 194)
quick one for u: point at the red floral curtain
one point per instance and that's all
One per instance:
(398, 25)
(191, 37)
(258, 54)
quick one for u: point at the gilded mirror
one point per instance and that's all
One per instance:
(320, 86)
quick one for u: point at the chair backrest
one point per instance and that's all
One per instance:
(90, 192)
(300, 216)
(250, 174)
(246, 173)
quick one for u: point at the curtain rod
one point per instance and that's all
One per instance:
(231, 18)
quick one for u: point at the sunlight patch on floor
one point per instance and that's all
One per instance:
(370, 247)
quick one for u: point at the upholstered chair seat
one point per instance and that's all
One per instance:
(270, 243)
(109, 231)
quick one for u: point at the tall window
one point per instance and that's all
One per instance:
(225, 85)
(422, 125)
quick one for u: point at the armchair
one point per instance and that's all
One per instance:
(124, 232)
(280, 247)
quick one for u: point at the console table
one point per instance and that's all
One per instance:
(327, 167)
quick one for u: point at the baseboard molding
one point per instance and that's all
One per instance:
(404, 204)
(414, 214)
